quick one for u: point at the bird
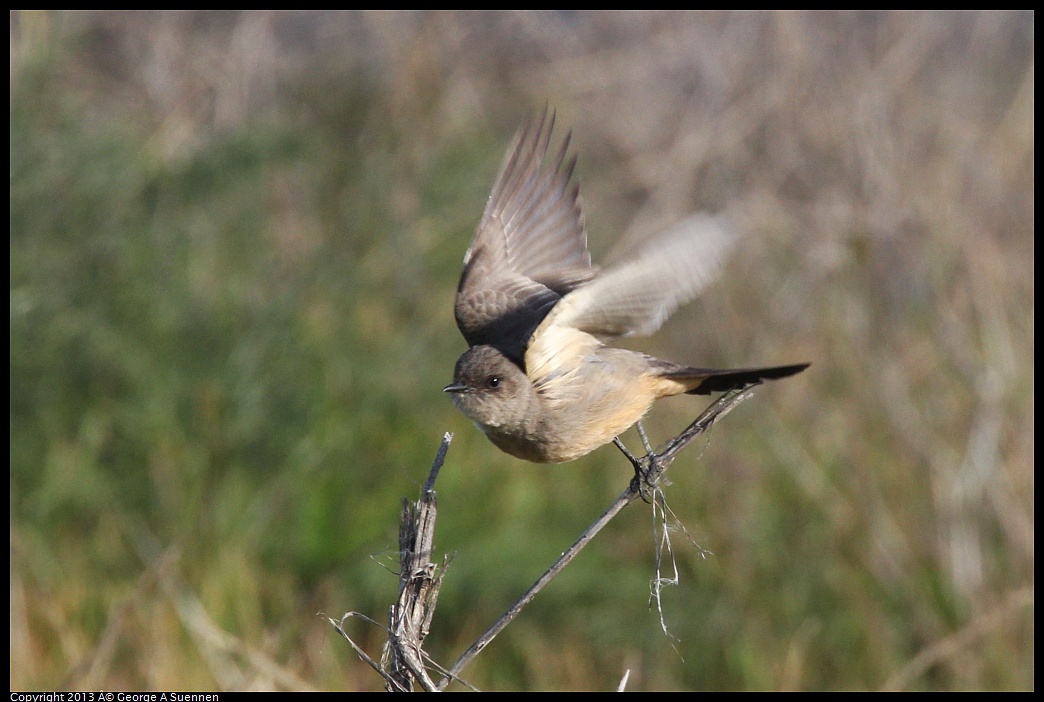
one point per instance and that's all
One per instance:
(538, 377)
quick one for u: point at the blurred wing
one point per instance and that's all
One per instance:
(530, 247)
(637, 296)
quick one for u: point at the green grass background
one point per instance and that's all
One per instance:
(235, 239)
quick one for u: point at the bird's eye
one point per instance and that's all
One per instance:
(493, 382)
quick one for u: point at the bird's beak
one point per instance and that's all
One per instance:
(455, 387)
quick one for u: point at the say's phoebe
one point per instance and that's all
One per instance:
(538, 378)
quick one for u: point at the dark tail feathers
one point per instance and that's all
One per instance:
(730, 379)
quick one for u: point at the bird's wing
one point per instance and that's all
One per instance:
(636, 296)
(530, 248)
(632, 298)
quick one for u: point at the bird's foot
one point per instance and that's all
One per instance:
(640, 483)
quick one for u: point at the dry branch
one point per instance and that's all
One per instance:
(405, 664)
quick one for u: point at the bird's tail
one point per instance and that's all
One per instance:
(704, 381)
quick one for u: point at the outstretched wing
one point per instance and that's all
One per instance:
(632, 298)
(530, 248)
(638, 295)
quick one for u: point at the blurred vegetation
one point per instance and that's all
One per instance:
(235, 239)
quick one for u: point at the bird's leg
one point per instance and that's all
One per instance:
(639, 482)
(635, 461)
(649, 460)
(645, 439)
